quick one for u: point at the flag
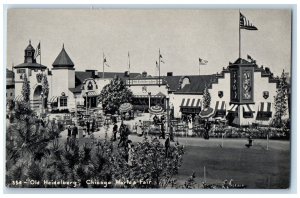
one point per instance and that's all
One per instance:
(37, 51)
(161, 58)
(249, 57)
(105, 62)
(245, 24)
(202, 62)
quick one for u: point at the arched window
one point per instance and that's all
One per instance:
(90, 86)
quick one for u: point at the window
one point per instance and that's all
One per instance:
(63, 101)
(220, 94)
(28, 53)
(10, 94)
(20, 71)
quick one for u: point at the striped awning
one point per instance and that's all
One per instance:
(53, 99)
(265, 107)
(190, 103)
(233, 107)
(248, 108)
(91, 94)
(19, 98)
(220, 105)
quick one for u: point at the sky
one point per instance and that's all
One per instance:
(183, 36)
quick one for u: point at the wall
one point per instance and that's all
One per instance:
(222, 85)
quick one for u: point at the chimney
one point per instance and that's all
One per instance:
(169, 73)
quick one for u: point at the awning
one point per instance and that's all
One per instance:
(53, 99)
(220, 109)
(19, 98)
(233, 108)
(190, 103)
(90, 94)
(264, 111)
(248, 108)
(265, 107)
(220, 105)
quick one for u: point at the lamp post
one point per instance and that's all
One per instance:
(168, 117)
(75, 97)
(42, 102)
(86, 102)
(149, 93)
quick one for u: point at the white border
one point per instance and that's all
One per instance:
(160, 4)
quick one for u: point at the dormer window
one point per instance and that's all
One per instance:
(90, 86)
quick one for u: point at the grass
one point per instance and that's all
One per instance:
(255, 167)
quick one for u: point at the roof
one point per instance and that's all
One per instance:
(119, 74)
(9, 73)
(30, 65)
(197, 84)
(29, 47)
(63, 60)
(173, 82)
(81, 76)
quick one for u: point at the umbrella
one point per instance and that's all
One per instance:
(207, 113)
(125, 107)
(157, 110)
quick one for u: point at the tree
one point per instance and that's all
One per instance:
(114, 94)
(26, 89)
(153, 166)
(45, 89)
(280, 101)
(206, 98)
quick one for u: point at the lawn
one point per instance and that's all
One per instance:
(256, 167)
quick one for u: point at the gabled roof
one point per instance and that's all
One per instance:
(63, 59)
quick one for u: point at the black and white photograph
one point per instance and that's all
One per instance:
(148, 98)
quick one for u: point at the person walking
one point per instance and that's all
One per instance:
(88, 127)
(115, 130)
(139, 128)
(167, 146)
(93, 125)
(69, 131)
(74, 131)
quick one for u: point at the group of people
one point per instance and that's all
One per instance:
(160, 122)
(90, 126)
(72, 131)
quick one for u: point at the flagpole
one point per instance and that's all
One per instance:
(41, 57)
(199, 68)
(159, 67)
(129, 67)
(103, 66)
(239, 34)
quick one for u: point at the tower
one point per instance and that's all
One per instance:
(29, 54)
(63, 76)
(33, 71)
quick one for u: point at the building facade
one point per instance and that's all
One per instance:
(243, 93)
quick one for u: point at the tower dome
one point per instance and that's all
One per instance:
(63, 60)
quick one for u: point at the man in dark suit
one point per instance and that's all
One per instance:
(74, 131)
(88, 127)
